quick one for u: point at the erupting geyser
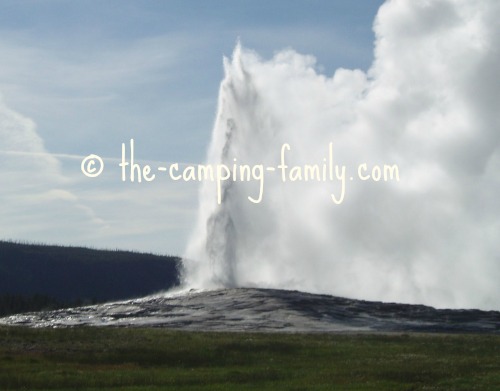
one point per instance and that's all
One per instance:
(429, 104)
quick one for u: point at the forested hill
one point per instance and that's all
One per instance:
(59, 276)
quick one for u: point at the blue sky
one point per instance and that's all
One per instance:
(93, 74)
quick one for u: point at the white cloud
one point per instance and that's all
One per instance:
(103, 93)
(33, 200)
(46, 198)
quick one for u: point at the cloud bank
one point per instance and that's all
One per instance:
(46, 198)
(35, 199)
(429, 103)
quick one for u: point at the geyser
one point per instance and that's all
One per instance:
(428, 104)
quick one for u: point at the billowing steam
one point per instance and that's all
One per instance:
(429, 105)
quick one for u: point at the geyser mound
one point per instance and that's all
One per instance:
(264, 310)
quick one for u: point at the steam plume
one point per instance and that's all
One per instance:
(429, 104)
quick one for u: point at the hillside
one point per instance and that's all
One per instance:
(55, 276)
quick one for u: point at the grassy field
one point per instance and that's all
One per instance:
(155, 359)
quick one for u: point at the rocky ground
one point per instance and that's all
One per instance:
(267, 310)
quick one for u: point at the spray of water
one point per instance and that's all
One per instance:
(429, 104)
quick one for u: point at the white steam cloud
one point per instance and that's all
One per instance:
(429, 104)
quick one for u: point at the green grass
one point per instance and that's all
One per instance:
(155, 359)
